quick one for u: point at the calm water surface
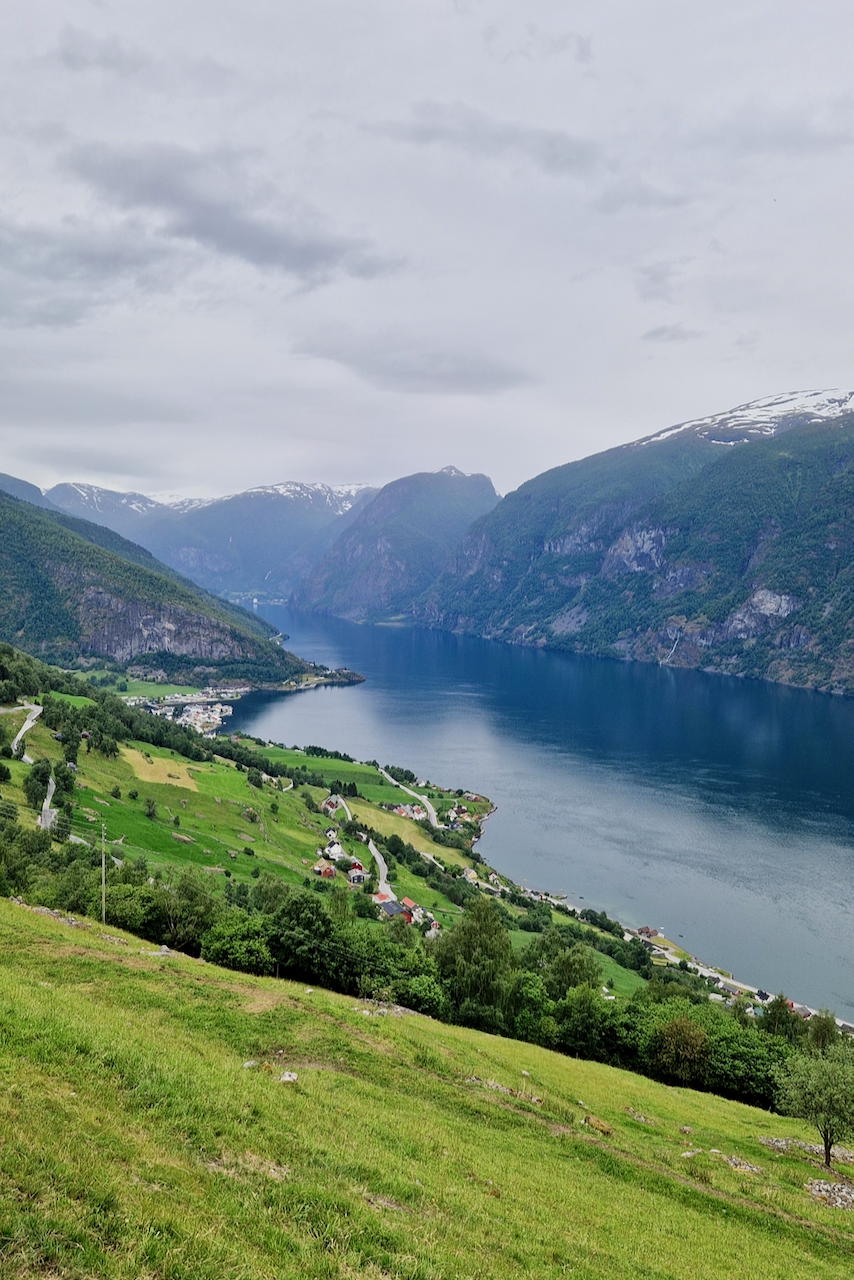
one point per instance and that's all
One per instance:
(721, 811)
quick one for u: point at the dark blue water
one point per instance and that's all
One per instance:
(718, 810)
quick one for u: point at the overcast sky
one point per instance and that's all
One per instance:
(345, 240)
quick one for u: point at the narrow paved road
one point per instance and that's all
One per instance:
(47, 814)
(33, 713)
(346, 808)
(384, 886)
(431, 812)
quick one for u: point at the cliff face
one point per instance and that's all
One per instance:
(64, 596)
(396, 546)
(738, 560)
(125, 629)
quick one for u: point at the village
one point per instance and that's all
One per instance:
(203, 711)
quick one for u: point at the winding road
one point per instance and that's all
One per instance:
(47, 815)
(33, 713)
(431, 812)
(384, 886)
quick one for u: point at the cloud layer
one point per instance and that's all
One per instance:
(304, 241)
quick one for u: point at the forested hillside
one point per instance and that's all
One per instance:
(70, 589)
(735, 560)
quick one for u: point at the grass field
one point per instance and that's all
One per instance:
(218, 815)
(136, 1145)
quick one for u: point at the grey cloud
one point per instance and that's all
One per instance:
(671, 333)
(407, 364)
(798, 131)
(193, 192)
(56, 274)
(537, 43)
(481, 136)
(81, 51)
(628, 192)
(655, 281)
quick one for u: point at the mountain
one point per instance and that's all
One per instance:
(71, 589)
(26, 491)
(724, 543)
(126, 513)
(396, 546)
(259, 542)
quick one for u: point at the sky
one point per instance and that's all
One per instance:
(346, 240)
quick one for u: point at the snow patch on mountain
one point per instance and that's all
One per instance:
(766, 417)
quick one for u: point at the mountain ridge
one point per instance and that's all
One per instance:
(72, 590)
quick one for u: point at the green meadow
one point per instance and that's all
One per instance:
(136, 1143)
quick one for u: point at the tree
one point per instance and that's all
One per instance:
(475, 959)
(35, 783)
(149, 808)
(238, 941)
(820, 1089)
(680, 1051)
(779, 1020)
(822, 1031)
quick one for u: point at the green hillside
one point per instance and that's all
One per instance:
(146, 1132)
(510, 570)
(69, 589)
(396, 546)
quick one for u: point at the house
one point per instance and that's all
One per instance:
(334, 851)
(330, 833)
(324, 868)
(409, 904)
(356, 875)
(470, 875)
(355, 865)
(392, 909)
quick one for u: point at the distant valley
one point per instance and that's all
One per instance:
(724, 543)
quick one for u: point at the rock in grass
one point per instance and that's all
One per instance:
(288, 1077)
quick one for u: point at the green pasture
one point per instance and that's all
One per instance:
(145, 1135)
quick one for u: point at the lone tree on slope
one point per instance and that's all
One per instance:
(820, 1089)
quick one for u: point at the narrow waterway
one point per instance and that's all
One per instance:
(721, 811)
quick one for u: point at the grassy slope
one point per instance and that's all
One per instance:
(209, 800)
(135, 1144)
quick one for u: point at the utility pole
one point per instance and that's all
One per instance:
(103, 873)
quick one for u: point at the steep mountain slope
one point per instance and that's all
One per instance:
(23, 489)
(678, 549)
(68, 588)
(397, 545)
(257, 542)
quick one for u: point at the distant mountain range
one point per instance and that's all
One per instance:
(262, 541)
(724, 543)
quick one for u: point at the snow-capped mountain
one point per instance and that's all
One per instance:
(767, 417)
(121, 512)
(262, 539)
